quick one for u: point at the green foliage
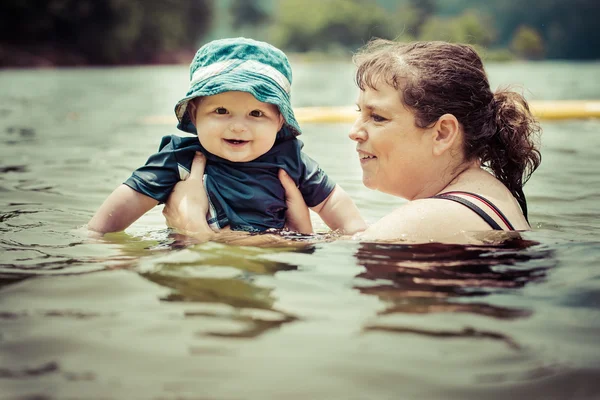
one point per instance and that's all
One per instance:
(469, 27)
(332, 25)
(423, 10)
(528, 43)
(494, 55)
(568, 28)
(247, 13)
(104, 31)
(476, 29)
(437, 28)
(139, 31)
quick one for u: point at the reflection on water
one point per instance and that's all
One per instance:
(441, 278)
(408, 279)
(226, 275)
(452, 270)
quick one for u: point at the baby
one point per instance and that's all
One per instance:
(238, 105)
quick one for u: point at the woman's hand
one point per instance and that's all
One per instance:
(187, 206)
(297, 215)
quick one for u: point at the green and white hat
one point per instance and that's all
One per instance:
(240, 64)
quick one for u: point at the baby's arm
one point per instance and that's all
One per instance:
(338, 211)
(123, 207)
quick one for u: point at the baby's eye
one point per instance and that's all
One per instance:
(358, 109)
(256, 113)
(221, 110)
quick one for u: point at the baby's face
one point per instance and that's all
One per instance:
(235, 126)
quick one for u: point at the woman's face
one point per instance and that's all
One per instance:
(394, 153)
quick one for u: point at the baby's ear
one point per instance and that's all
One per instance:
(191, 109)
(281, 122)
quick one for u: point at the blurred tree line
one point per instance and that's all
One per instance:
(502, 29)
(104, 32)
(565, 29)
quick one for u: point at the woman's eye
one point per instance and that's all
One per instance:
(256, 113)
(221, 110)
(377, 118)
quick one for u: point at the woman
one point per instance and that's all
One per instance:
(429, 130)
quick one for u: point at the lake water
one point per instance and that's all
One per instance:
(143, 314)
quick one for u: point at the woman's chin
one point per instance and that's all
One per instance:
(369, 183)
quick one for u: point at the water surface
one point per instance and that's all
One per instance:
(143, 314)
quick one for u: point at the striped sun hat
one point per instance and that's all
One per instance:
(240, 64)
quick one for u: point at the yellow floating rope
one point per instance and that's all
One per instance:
(565, 109)
(542, 109)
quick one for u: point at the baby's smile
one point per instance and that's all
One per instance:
(236, 142)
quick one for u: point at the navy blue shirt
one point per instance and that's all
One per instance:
(247, 196)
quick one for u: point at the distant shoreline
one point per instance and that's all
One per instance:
(47, 56)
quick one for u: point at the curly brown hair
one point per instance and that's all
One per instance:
(437, 78)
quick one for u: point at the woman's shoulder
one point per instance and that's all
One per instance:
(436, 219)
(421, 220)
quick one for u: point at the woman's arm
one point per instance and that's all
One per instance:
(338, 211)
(297, 217)
(123, 207)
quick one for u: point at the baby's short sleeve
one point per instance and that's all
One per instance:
(314, 184)
(164, 169)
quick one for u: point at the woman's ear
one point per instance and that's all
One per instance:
(446, 133)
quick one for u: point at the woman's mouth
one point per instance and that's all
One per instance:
(364, 157)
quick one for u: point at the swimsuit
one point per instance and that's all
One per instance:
(246, 196)
(493, 224)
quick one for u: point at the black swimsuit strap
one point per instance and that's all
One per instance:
(488, 203)
(493, 224)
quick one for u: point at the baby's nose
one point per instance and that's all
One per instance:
(237, 126)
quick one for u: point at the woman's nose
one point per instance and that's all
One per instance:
(357, 132)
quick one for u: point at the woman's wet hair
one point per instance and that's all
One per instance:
(437, 78)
